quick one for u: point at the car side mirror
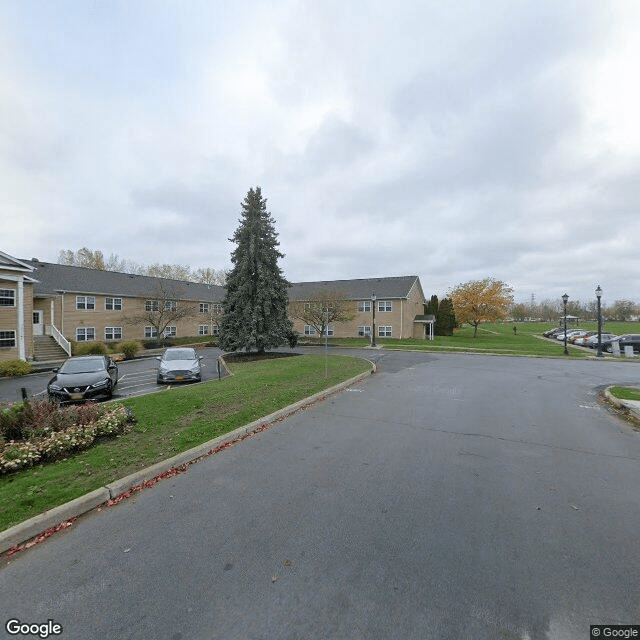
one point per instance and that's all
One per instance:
(56, 370)
(158, 358)
(200, 357)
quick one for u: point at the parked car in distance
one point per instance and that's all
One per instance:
(592, 342)
(581, 340)
(83, 378)
(570, 333)
(179, 364)
(606, 344)
(575, 334)
(551, 333)
(579, 335)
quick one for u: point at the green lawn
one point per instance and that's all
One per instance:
(173, 421)
(498, 338)
(625, 393)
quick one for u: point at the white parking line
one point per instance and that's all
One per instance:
(132, 386)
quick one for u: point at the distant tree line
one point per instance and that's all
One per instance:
(553, 310)
(94, 259)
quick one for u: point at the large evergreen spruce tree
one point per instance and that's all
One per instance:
(446, 319)
(255, 305)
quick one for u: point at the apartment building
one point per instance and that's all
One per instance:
(69, 303)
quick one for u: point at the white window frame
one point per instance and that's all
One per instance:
(215, 330)
(8, 339)
(151, 305)
(328, 331)
(364, 330)
(9, 295)
(112, 304)
(385, 331)
(309, 330)
(111, 333)
(203, 329)
(204, 307)
(170, 305)
(364, 306)
(85, 303)
(82, 334)
(216, 307)
(170, 332)
(384, 306)
(150, 332)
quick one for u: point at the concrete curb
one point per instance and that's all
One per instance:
(631, 405)
(28, 529)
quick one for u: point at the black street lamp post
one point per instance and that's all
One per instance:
(373, 328)
(599, 295)
(565, 299)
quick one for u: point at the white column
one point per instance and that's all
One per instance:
(20, 332)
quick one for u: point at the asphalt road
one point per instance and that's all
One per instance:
(448, 496)
(136, 377)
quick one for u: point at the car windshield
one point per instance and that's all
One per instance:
(180, 354)
(84, 365)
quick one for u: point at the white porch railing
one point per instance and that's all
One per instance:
(52, 331)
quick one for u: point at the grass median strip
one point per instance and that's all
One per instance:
(171, 422)
(625, 393)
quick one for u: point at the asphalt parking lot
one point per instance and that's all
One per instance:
(136, 378)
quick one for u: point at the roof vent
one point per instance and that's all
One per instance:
(35, 260)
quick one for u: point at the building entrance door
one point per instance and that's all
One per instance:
(38, 327)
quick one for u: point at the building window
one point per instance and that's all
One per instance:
(150, 332)
(364, 331)
(7, 339)
(170, 305)
(7, 298)
(86, 303)
(204, 307)
(364, 306)
(215, 330)
(113, 304)
(151, 305)
(216, 307)
(309, 330)
(384, 332)
(113, 333)
(328, 331)
(385, 305)
(85, 334)
(203, 329)
(169, 332)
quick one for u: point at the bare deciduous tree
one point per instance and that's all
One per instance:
(323, 308)
(164, 306)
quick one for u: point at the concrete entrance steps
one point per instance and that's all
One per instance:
(45, 348)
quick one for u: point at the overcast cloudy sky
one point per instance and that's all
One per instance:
(451, 140)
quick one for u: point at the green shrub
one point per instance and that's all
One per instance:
(43, 432)
(14, 368)
(90, 349)
(158, 344)
(129, 349)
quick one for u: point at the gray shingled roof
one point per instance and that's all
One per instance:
(53, 278)
(384, 288)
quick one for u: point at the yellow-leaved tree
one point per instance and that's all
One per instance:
(479, 301)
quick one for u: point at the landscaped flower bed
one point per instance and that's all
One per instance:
(35, 432)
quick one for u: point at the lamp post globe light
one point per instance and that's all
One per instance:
(565, 299)
(373, 321)
(598, 296)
